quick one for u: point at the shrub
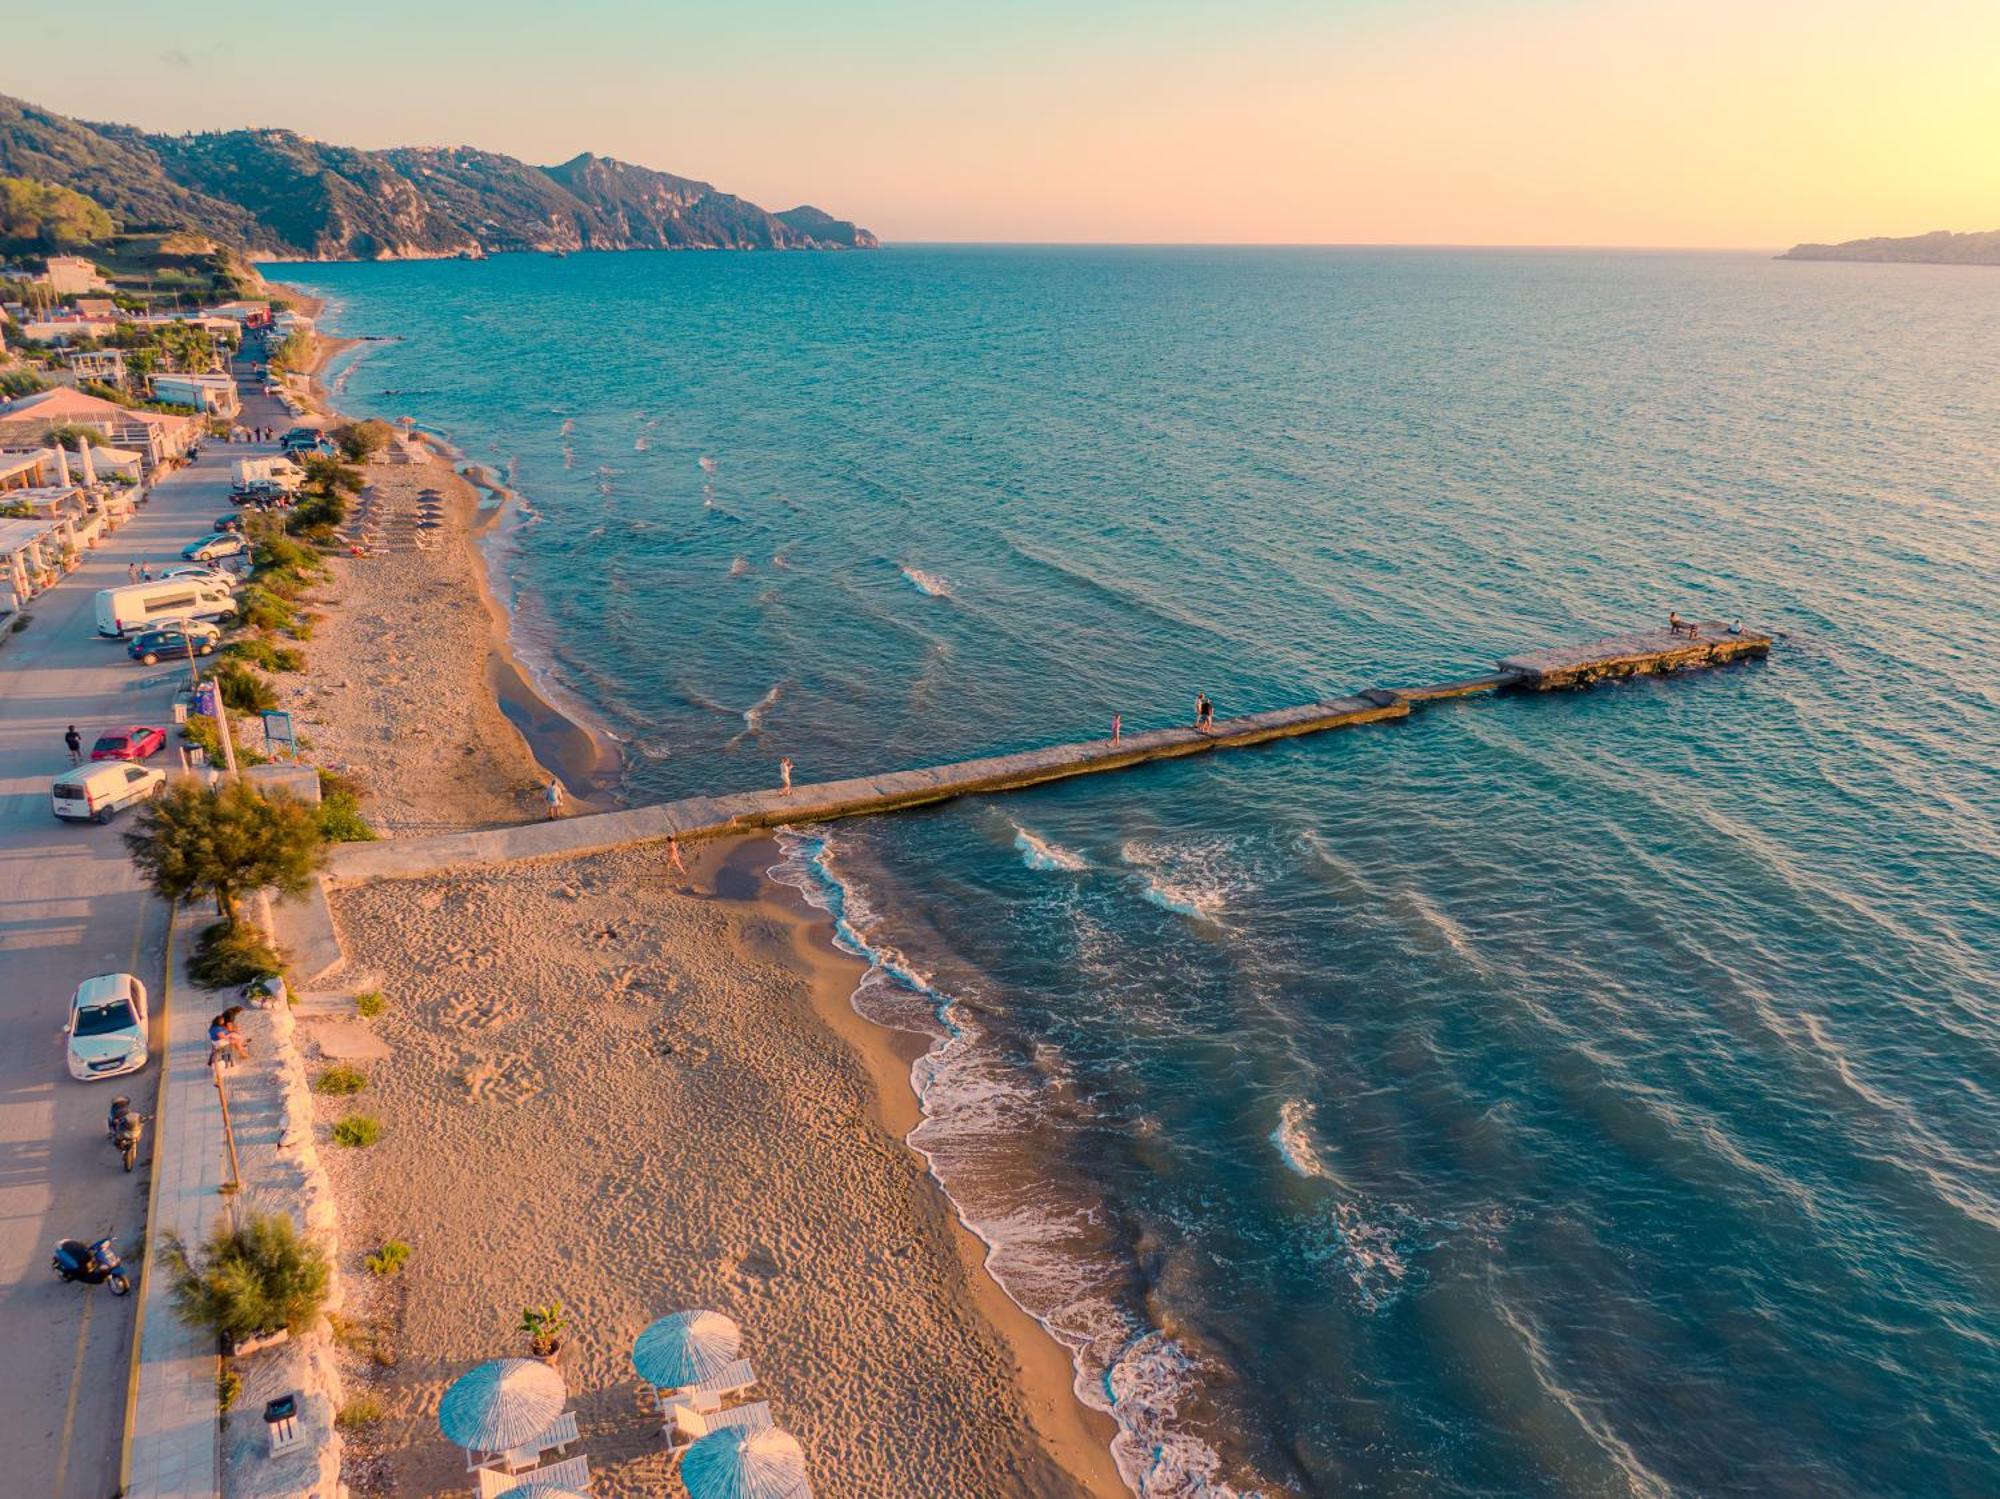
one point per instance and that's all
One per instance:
(243, 690)
(364, 1410)
(357, 1131)
(370, 1004)
(340, 819)
(228, 1385)
(389, 1258)
(341, 1081)
(258, 650)
(21, 382)
(253, 1280)
(226, 955)
(360, 441)
(258, 607)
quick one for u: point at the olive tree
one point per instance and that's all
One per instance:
(225, 841)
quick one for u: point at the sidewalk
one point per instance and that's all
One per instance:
(172, 1440)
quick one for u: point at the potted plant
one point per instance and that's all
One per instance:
(545, 1327)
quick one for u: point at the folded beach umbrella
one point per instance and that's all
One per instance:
(739, 1464)
(685, 1348)
(533, 1490)
(501, 1404)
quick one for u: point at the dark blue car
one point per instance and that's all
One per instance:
(171, 641)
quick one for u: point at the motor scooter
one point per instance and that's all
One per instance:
(93, 1264)
(125, 1126)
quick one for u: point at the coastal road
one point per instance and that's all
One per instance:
(72, 906)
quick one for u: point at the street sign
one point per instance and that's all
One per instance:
(279, 738)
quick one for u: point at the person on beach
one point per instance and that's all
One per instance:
(131, 572)
(674, 853)
(553, 795)
(1736, 627)
(1673, 622)
(1117, 726)
(785, 775)
(74, 742)
(145, 572)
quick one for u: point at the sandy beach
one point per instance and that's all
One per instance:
(632, 1091)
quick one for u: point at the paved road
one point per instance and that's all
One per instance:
(71, 906)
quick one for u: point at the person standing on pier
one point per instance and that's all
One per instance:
(1117, 726)
(785, 775)
(553, 795)
(1204, 713)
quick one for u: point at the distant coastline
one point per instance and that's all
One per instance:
(1939, 247)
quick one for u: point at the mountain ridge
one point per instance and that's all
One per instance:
(277, 192)
(1939, 247)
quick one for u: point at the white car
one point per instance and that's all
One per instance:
(100, 789)
(197, 570)
(214, 548)
(107, 1027)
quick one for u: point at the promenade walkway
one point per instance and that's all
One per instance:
(172, 1442)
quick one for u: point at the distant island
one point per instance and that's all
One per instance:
(1939, 247)
(276, 193)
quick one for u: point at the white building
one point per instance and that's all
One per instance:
(72, 276)
(215, 394)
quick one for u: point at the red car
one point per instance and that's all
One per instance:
(135, 742)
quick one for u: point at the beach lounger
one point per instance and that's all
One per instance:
(561, 1432)
(685, 1424)
(570, 1473)
(710, 1393)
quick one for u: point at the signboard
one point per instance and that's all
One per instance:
(278, 736)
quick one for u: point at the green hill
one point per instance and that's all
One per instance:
(276, 192)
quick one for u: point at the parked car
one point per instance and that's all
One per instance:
(173, 640)
(232, 523)
(100, 790)
(134, 742)
(199, 570)
(215, 547)
(107, 1027)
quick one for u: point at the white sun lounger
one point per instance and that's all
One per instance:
(710, 1393)
(685, 1424)
(570, 1473)
(561, 1432)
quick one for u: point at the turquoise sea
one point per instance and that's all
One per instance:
(1592, 1094)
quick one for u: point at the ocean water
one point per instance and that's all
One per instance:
(1590, 1094)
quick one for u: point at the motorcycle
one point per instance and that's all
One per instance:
(125, 1128)
(93, 1264)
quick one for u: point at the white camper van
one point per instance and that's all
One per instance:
(139, 606)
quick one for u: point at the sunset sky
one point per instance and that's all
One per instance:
(1619, 122)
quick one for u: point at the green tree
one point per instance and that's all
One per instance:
(223, 841)
(360, 441)
(53, 218)
(256, 1279)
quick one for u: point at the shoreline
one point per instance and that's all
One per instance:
(1075, 1439)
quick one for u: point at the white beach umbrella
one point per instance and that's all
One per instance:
(532, 1490)
(739, 1464)
(685, 1348)
(89, 467)
(501, 1404)
(62, 463)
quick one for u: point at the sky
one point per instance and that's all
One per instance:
(1715, 123)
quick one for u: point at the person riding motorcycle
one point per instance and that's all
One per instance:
(121, 1106)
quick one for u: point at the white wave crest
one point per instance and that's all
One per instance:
(928, 583)
(1039, 853)
(1293, 1137)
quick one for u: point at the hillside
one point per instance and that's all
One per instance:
(279, 193)
(1939, 247)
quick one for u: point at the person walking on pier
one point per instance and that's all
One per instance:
(74, 742)
(785, 775)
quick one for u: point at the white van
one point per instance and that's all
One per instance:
(140, 605)
(97, 790)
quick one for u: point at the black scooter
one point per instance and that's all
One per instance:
(93, 1264)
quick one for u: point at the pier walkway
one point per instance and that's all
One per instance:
(711, 816)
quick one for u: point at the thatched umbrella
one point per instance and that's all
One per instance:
(501, 1405)
(738, 1464)
(686, 1348)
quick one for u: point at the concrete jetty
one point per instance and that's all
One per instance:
(698, 817)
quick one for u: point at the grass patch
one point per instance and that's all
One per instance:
(226, 955)
(370, 1004)
(357, 1131)
(340, 1081)
(364, 1410)
(228, 1385)
(258, 650)
(243, 690)
(388, 1259)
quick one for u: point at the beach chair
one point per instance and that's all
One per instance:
(710, 1393)
(561, 1432)
(685, 1424)
(570, 1473)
